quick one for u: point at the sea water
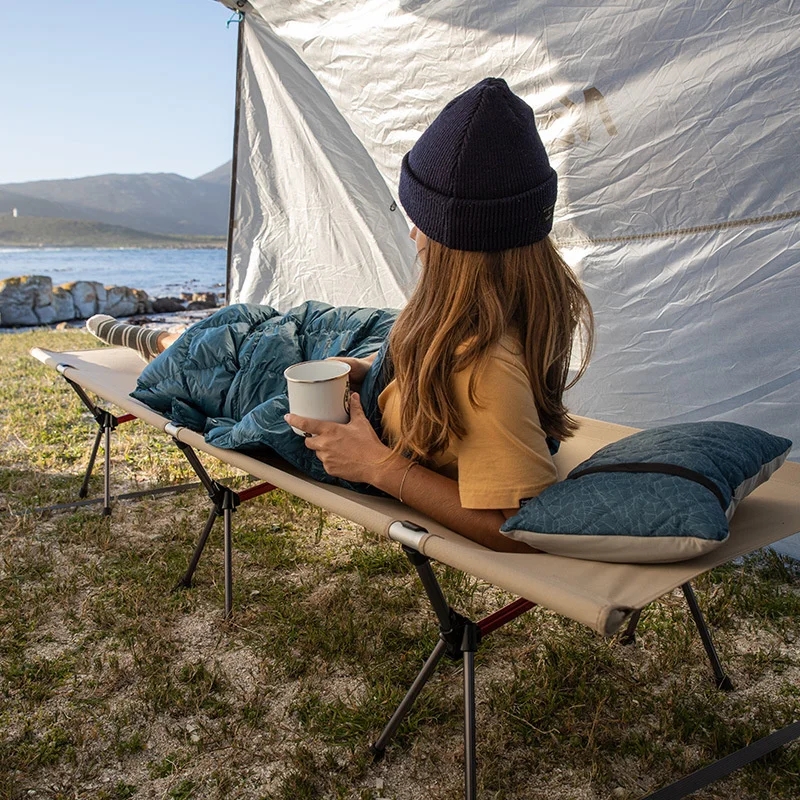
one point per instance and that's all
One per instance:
(159, 272)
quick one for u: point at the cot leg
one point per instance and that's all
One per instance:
(378, 749)
(84, 490)
(469, 645)
(107, 422)
(629, 637)
(723, 681)
(450, 626)
(459, 639)
(228, 509)
(445, 614)
(107, 470)
(225, 502)
(186, 581)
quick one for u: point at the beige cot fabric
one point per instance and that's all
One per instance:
(599, 595)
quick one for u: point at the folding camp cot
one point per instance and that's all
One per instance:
(603, 596)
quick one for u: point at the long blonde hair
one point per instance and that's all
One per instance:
(463, 304)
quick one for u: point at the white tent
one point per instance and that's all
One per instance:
(673, 129)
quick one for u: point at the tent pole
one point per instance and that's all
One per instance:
(235, 158)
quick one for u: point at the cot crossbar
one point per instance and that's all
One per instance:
(504, 615)
(725, 766)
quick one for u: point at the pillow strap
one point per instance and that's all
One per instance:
(664, 469)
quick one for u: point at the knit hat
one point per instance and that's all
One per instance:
(478, 178)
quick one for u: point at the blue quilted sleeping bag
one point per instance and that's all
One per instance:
(224, 376)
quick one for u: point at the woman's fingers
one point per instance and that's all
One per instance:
(356, 409)
(350, 451)
(316, 426)
(358, 367)
(313, 426)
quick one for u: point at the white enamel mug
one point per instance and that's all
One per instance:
(319, 390)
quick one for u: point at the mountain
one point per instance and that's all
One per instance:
(221, 175)
(160, 203)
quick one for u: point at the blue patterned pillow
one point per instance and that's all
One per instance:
(665, 494)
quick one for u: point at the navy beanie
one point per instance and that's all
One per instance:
(479, 177)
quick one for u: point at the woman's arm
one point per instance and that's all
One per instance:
(354, 452)
(437, 496)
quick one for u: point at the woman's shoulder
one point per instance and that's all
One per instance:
(507, 348)
(501, 368)
(506, 352)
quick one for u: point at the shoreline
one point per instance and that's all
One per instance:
(171, 322)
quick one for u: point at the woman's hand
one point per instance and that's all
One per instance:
(358, 366)
(352, 451)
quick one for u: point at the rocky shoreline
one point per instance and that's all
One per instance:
(32, 300)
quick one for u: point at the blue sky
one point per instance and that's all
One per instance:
(89, 87)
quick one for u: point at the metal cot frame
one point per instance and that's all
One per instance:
(459, 637)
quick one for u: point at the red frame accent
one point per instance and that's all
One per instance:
(504, 615)
(255, 491)
(126, 418)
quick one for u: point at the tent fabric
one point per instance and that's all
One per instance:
(672, 128)
(313, 217)
(596, 594)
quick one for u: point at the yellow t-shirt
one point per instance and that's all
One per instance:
(503, 456)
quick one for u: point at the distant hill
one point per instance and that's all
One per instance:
(159, 203)
(219, 175)
(50, 231)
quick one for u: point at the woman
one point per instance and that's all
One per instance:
(482, 350)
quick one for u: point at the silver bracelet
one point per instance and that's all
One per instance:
(402, 482)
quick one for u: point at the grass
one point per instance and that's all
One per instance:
(112, 686)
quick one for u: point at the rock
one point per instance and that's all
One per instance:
(32, 300)
(87, 297)
(62, 326)
(165, 305)
(202, 300)
(63, 305)
(45, 314)
(144, 303)
(26, 301)
(121, 301)
(102, 296)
